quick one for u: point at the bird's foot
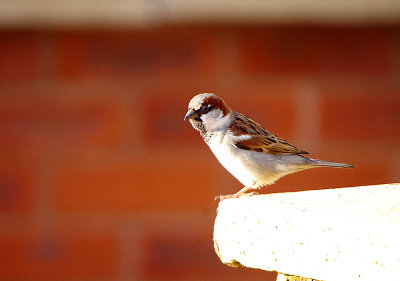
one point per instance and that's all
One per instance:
(236, 195)
(223, 197)
(251, 193)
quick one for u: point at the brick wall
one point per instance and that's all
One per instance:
(100, 178)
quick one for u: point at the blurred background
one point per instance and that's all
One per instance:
(100, 177)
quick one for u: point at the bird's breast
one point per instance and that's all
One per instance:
(249, 167)
(228, 155)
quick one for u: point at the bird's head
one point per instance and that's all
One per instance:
(208, 112)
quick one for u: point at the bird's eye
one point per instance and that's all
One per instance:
(205, 109)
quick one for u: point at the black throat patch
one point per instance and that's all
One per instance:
(199, 126)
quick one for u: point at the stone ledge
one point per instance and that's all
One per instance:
(335, 234)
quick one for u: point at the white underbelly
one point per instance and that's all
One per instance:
(249, 167)
(233, 163)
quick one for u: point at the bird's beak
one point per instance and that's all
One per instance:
(191, 114)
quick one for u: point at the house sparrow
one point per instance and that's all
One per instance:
(250, 153)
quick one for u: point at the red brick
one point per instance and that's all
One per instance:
(17, 181)
(18, 56)
(183, 257)
(316, 50)
(44, 121)
(132, 55)
(16, 190)
(359, 117)
(72, 257)
(125, 187)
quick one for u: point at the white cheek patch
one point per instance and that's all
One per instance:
(214, 114)
(215, 120)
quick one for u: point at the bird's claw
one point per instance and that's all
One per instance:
(236, 195)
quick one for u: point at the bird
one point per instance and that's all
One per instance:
(253, 155)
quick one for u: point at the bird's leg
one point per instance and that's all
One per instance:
(243, 191)
(239, 193)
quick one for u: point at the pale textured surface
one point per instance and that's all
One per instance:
(336, 234)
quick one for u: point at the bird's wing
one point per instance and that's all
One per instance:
(252, 136)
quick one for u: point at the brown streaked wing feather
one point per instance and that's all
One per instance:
(261, 140)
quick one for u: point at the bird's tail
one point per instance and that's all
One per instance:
(324, 163)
